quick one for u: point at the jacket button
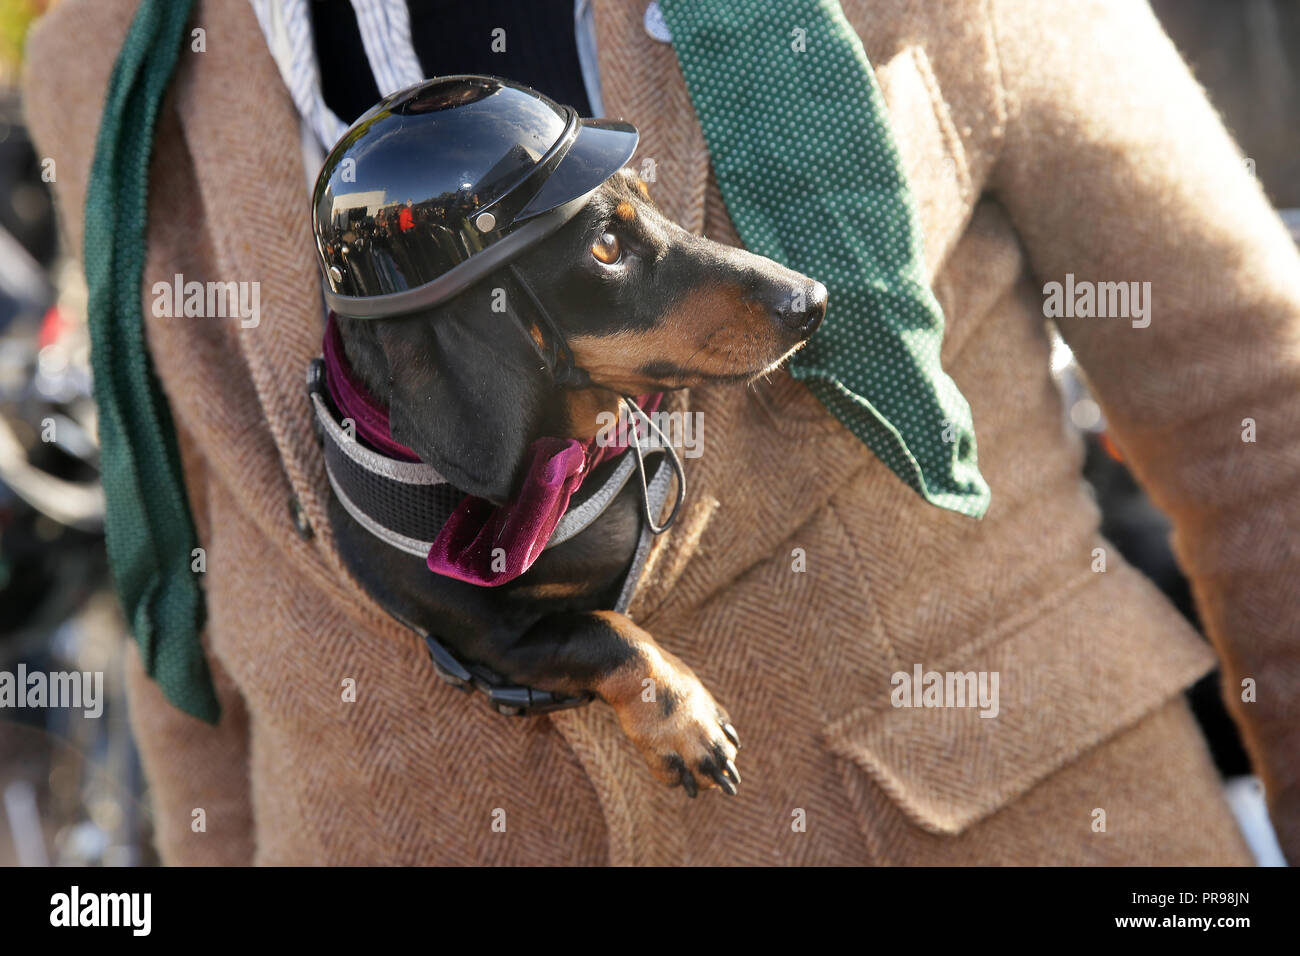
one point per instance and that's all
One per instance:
(299, 519)
(655, 25)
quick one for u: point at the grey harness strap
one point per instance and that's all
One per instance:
(405, 504)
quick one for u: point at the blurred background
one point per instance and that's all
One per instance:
(70, 786)
(71, 791)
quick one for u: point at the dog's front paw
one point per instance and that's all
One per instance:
(684, 736)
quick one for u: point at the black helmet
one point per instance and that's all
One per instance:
(442, 183)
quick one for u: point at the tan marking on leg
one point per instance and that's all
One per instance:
(691, 730)
(560, 589)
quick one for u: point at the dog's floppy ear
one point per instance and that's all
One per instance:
(467, 393)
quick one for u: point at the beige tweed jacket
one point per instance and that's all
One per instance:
(1042, 138)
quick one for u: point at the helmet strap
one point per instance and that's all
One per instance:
(553, 349)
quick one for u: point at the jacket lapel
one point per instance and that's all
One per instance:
(642, 83)
(242, 132)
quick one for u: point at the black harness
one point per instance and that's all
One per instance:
(405, 504)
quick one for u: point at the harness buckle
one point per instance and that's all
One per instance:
(529, 701)
(449, 669)
(510, 700)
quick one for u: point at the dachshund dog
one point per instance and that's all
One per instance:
(644, 306)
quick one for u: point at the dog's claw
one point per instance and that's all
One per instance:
(721, 779)
(733, 772)
(730, 731)
(688, 783)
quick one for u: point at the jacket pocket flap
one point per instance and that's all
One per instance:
(1097, 659)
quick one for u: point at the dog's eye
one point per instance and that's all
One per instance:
(607, 249)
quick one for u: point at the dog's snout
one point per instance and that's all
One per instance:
(802, 308)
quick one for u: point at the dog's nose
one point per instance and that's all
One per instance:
(816, 308)
(803, 311)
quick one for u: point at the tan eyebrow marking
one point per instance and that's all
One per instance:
(642, 188)
(535, 331)
(625, 211)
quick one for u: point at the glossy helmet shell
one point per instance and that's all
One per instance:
(442, 183)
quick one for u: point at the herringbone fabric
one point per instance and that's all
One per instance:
(1031, 153)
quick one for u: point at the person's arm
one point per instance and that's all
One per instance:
(1116, 169)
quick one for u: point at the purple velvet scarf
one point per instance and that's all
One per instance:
(464, 548)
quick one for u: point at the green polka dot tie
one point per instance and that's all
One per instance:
(800, 142)
(150, 531)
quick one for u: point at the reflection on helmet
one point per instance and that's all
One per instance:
(442, 183)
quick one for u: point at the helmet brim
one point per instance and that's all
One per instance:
(600, 149)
